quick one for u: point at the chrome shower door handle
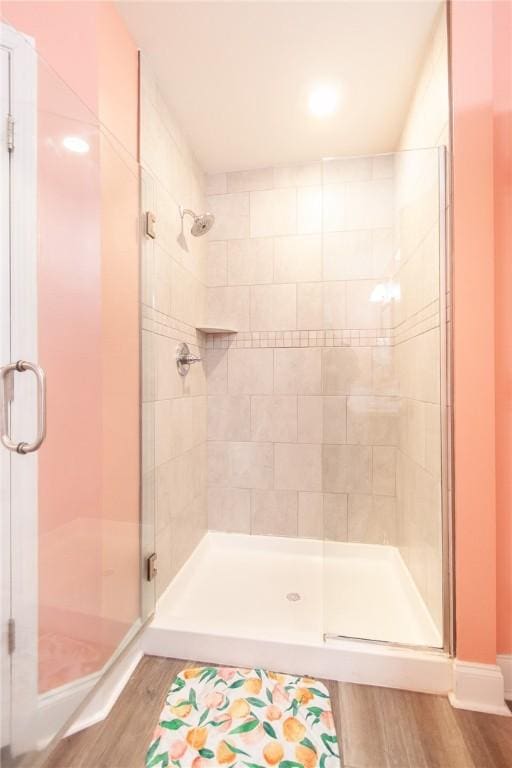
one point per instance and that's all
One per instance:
(6, 384)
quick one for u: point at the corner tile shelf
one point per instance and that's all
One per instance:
(213, 329)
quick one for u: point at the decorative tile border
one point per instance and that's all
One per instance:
(336, 338)
(422, 321)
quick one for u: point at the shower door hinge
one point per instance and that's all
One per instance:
(151, 568)
(10, 133)
(11, 636)
(150, 225)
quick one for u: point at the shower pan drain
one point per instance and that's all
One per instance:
(293, 597)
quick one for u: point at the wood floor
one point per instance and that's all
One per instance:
(377, 728)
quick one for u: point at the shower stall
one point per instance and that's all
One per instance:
(321, 424)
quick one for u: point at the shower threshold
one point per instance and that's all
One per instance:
(301, 605)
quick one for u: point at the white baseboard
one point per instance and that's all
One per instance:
(505, 664)
(479, 687)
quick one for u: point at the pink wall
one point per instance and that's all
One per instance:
(503, 246)
(88, 333)
(482, 359)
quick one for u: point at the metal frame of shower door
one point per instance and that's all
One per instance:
(446, 399)
(5, 356)
(21, 314)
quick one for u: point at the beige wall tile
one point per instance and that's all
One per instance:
(187, 530)
(148, 366)
(247, 181)
(148, 437)
(416, 431)
(310, 415)
(168, 381)
(383, 166)
(274, 513)
(335, 419)
(251, 262)
(216, 184)
(343, 169)
(218, 464)
(162, 281)
(384, 470)
(309, 210)
(362, 312)
(178, 482)
(346, 468)
(384, 374)
(229, 509)
(229, 307)
(273, 212)
(180, 424)
(433, 439)
(298, 467)
(298, 175)
(372, 420)
(348, 255)
(347, 371)
(217, 261)
(358, 205)
(251, 465)
(216, 364)
(371, 519)
(273, 307)
(229, 417)
(311, 515)
(174, 275)
(335, 516)
(335, 305)
(274, 418)
(298, 371)
(251, 371)
(298, 259)
(164, 448)
(310, 313)
(188, 295)
(231, 216)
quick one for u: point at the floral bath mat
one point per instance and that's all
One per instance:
(244, 718)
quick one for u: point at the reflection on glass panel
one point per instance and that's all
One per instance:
(382, 407)
(75, 541)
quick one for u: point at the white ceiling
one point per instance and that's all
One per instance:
(237, 75)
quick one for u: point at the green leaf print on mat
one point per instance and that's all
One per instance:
(269, 730)
(245, 727)
(172, 725)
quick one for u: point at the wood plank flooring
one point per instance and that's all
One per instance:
(377, 728)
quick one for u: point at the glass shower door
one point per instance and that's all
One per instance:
(384, 385)
(70, 387)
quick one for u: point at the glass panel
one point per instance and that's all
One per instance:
(383, 566)
(75, 518)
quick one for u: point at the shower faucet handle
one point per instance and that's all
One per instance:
(185, 358)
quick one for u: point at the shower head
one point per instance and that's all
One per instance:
(202, 224)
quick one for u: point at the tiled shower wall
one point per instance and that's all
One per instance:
(173, 304)
(303, 408)
(417, 318)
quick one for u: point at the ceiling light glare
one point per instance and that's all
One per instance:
(323, 100)
(76, 144)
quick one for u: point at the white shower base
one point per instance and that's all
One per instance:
(229, 604)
